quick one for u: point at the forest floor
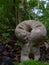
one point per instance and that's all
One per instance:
(11, 53)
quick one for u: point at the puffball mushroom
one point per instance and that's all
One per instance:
(29, 30)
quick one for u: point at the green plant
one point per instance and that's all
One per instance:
(32, 62)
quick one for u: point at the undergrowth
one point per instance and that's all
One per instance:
(32, 62)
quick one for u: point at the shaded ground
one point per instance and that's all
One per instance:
(9, 52)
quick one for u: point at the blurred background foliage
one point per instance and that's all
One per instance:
(12, 12)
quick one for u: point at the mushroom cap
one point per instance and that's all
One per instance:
(30, 30)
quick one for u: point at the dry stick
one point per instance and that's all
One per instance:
(19, 14)
(37, 7)
(38, 4)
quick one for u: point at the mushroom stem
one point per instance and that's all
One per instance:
(25, 51)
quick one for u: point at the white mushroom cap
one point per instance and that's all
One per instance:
(30, 30)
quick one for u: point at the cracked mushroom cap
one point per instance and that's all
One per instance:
(30, 30)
